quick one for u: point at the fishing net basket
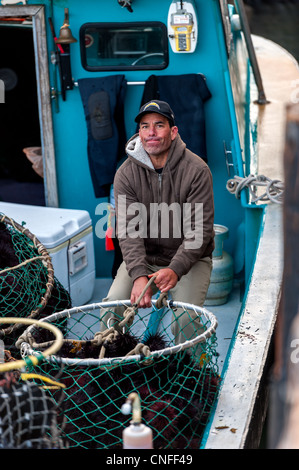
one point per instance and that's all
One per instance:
(177, 383)
(28, 287)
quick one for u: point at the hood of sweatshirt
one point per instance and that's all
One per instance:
(135, 151)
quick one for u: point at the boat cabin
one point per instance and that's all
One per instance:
(133, 51)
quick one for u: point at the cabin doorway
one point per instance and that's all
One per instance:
(21, 168)
(27, 158)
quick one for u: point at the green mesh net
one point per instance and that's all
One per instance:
(28, 288)
(177, 382)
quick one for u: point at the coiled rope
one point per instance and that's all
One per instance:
(273, 192)
(54, 347)
(102, 338)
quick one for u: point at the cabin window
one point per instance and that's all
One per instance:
(124, 46)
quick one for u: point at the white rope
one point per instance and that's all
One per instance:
(11, 268)
(273, 193)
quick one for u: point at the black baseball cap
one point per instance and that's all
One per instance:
(156, 106)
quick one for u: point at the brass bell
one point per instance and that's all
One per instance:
(65, 35)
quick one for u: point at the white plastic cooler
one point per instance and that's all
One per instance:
(67, 235)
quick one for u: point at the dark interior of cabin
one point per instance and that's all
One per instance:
(20, 129)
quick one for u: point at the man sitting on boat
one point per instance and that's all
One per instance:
(159, 177)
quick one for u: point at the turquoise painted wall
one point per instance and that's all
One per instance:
(74, 182)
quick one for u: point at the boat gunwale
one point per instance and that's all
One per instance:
(223, 430)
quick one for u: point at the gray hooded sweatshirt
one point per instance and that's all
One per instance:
(166, 218)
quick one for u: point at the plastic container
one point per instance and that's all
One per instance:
(222, 275)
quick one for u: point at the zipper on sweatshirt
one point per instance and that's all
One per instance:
(160, 187)
(159, 201)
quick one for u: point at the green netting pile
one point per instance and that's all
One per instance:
(177, 383)
(28, 288)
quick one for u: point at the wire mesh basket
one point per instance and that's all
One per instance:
(177, 383)
(28, 287)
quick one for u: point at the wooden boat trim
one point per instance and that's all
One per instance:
(37, 13)
(245, 365)
(240, 410)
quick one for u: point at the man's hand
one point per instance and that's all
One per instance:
(165, 280)
(138, 286)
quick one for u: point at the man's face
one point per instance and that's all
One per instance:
(156, 134)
